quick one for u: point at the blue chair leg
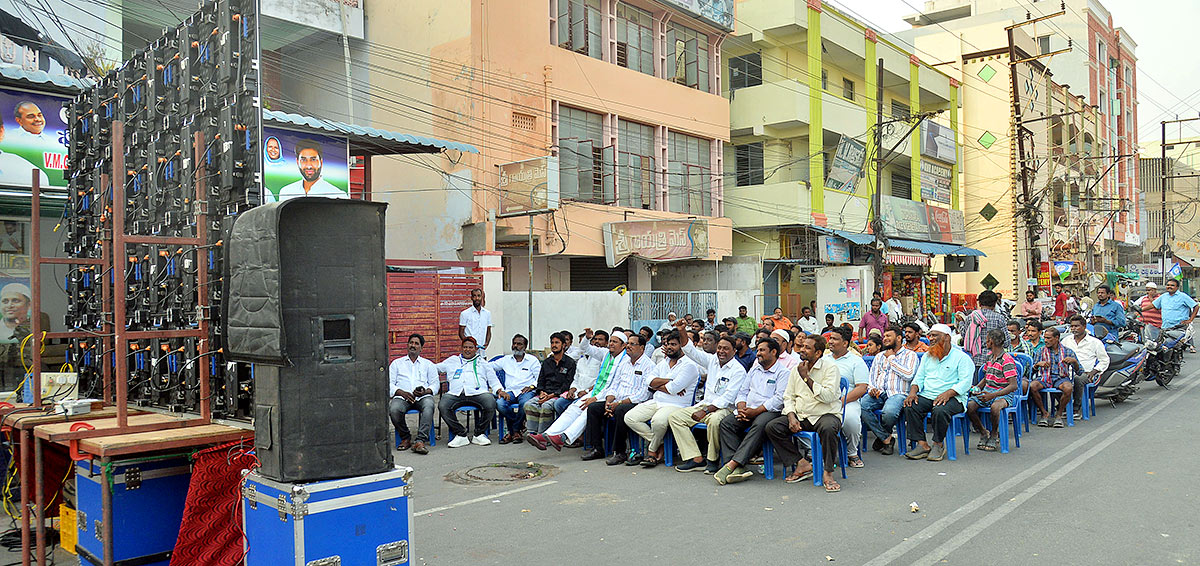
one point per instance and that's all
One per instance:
(1002, 428)
(768, 461)
(844, 455)
(818, 461)
(669, 450)
(901, 426)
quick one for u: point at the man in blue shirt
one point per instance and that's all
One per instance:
(1108, 314)
(1178, 309)
(939, 389)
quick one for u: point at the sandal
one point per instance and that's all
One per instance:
(1058, 422)
(650, 462)
(832, 487)
(1045, 422)
(806, 475)
(983, 442)
(989, 444)
(855, 462)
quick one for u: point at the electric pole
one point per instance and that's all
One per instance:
(877, 222)
(1165, 174)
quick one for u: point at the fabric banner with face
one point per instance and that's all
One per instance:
(299, 164)
(33, 136)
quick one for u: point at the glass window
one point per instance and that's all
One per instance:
(1044, 44)
(900, 110)
(848, 89)
(635, 165)
(689, 175)
(582, 156)
(579, 27)
(635, 39)
(745, 71)
(749, 166)
(824, 79)
(687, 57)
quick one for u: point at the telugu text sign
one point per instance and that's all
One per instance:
(529, 186)
(655, 240)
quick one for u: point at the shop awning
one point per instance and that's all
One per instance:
(1187, 258)
(365, 140)
(935, 248)
(855, 237)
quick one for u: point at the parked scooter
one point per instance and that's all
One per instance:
(1126, 362)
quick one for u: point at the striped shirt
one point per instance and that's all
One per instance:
(892, 373)
(1058, 369)
(1150, 315)
(998, 372)
(979, 322)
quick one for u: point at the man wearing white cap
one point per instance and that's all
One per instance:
(669, 324)
(786, 357)
(1151, 316)
(939, 390)
(571, 423)
(14, 305)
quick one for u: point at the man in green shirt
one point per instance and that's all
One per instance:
(745, 323)
(939, 390)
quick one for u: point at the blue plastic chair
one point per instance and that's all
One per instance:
(1089, 402)
(959, 426)
(867, 359)
(469, 408)
(1012, 411)
(924, 340)
(1025, 363)
(432, 436)
(815, 447)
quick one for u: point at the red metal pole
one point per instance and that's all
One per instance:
(202, 290)
(35, 287)
(26, 438)
(107, 274)
(121, 373)
(39, 498)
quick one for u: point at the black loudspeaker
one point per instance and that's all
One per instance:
(305, 287)
(961, 264)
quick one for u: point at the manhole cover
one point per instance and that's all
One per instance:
(502, 472)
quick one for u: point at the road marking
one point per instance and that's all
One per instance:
(954, 518)
(485, 498)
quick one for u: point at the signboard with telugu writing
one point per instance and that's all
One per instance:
(529, 186)
(655, 240)
(847, 165)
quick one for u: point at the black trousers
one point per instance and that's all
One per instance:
(827, 427)
(593, 433)
(941, 415)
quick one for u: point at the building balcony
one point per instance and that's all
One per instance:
(782, 110)
(789, 203)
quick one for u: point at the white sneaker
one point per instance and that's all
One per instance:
(458, 442)
(481, 440)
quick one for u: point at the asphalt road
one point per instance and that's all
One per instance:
(1119, 489)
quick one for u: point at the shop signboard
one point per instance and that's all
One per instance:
(655, 240)
(834, 250)
(935, 182)
(847, 165)
(913, 220)
(937, 142)
(1043, 278)
(297, 164)
(529, 186)
(719, 12)
(34, 136)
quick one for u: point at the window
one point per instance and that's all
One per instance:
(1074, 195)
(902, 185)
(745, 71)
(1043, 44)
(824, 79)
(689, 175)
(749, 166)
(579, 27)
(900, 110)
(848, 89)
(585, 162)
(687, 57)
(1103, 103)
(522, 121)
(635, 165)
(635, 39)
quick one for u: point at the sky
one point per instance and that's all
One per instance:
(1168, 80)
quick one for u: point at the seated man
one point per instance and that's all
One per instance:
(912, 338)
(1031, 345)
(1014, 335)
(759, 401)
(673, 381)
(1091, 355)
(413, 381)
(858, 377)
(996, 391)
(810, 404)
(587, 367)
(945, 371)
(725, 378)
(891, 374)
(554, 377)
(521, 373)
(472, 382)
(1056, 368)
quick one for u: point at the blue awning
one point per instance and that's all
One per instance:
(855, 238)
(365, 139)
(935, 248)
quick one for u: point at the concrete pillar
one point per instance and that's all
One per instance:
(493, 287)
(639, 275)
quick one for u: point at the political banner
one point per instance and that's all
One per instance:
(34, 136)
(299, 164)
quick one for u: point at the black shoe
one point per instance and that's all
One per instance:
(616, 459)
(712, 467)
(592, 455)
(578, 443)
(877, 445)
(635, 458)
(689, 466)
(888, 449)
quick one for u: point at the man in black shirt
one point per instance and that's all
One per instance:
(555, 377)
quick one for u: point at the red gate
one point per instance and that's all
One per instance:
(423, 298)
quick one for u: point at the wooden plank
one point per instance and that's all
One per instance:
(31, 419)
(188, 437)
(58, 431)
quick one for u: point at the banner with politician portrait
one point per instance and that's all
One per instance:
(297, 164)
(34, 136)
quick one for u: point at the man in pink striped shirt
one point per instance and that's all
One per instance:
(1150, 315)
(996, 391)
(872, 319)
(892, 372)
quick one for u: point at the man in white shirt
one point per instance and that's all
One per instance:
(725, 378)
(413, 381)
(858, 377)
(587, 368)
(807, 322)
(310, 162)
(674, 384)
(786, 357)
(759, 402)
(1089, 352)
(476, 322)
(472, 382)
(669, 324)
(520, 381)
(894, 309)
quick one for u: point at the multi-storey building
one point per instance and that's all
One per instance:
(1181, 204)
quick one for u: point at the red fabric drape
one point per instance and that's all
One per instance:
(211, 532)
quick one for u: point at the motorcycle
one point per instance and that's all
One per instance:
(1166, 352)
(1126, 362)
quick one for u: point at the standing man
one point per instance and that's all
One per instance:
(1031, 308)
(1178, 309)
(1056, 367)
(1107, 315)
(808, 323)
(829, 324)
(521, 373)
(758, 403)
(310, 162)
(710, 320)
(1151, 316)
(554, 378)
(996, 391)
(891, 374)
(893, 308)
(745, 355)
(852, 368)
(472, 382)
(1060, 301)
(872, 319)
(1071, 307)
(725, 378)
(674, 384)
(979, 322)
(413, 381)
(1090, 353)
(912, 338)
(938, 390)
(810, 404)
(476, 322)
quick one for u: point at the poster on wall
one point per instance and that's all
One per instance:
(297, 164)
(15, 296)
(935, 182)
(34, 136)
(937, 142)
